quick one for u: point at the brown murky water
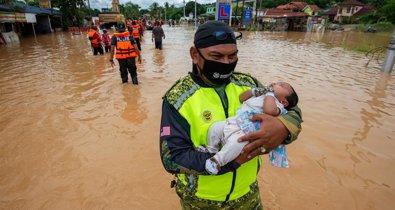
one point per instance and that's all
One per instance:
(73, 137)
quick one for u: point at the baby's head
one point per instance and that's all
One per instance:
(286, 94)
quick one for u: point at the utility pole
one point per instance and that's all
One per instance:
(89, 6)
(242, 15)
(390, 58)
(237, 6)
(195, 16)
(184, 8)
(260, 10)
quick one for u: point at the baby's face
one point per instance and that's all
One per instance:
(282, 90)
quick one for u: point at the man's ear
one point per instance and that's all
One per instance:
(194, 55)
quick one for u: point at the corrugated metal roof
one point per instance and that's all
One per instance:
(4, 8)
(295, 5)
(28, 9)
(331, 11)
(351, 3)
(274, 12)
(314, 7)
(363, 11)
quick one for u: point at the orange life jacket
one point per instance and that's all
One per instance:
(125, 49)
(106, 39)
(136, 31)
(95, 42)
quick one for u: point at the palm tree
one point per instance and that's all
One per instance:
(154, 10)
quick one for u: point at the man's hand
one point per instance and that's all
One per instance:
(139, 59)
(271, 134)
(152, 39)
(112, 62)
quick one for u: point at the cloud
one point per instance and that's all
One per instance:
(144, 4)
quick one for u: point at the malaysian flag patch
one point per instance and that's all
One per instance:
(165, 131)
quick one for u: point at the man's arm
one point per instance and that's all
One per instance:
(273, 132)
(97, 36)
(113, 42)
(245, 95)
(138, 53)
(176, 148)
(163, 33)
(133, 42)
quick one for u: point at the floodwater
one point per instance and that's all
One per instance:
(73, 137)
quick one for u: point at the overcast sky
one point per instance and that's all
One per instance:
(144, 4)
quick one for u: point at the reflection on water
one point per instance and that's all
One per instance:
(73, 137)
(371, 117)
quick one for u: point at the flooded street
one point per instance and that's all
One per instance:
(73, 137)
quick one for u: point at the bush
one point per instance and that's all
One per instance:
(388, 10)
(383, 26)
(369, 18)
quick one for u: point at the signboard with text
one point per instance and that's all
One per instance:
(247, 15)
(223, 11)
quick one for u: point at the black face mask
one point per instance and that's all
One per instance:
(216, 72)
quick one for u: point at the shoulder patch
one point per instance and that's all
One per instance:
(243, 79)
(181, 91)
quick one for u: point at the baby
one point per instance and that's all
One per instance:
(274, 100)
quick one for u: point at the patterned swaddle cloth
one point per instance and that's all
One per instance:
(278, 156)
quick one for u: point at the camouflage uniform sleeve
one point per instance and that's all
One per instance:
(176, 148)
(177, 152)
(292, 121)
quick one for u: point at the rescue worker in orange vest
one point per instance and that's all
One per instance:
(126, 51)
(95, 40)
(106, 40)
(129, 23)
(141, 24)
(136, 33)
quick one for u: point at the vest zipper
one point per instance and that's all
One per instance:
(232, 187)
(224, 101)
(225, 106)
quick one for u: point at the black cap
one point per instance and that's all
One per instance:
(121, 26)
(205, 35)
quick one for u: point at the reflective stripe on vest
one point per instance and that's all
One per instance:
(200, 114)
(125, 49)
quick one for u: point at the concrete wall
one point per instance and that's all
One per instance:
(10, 37)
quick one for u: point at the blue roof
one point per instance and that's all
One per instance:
(4, 8)
(28, 9)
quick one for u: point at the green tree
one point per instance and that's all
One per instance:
(72, 12)
(377, 3)
(144, 11)
(33, 3)
(154, 9)
(166, 10)
(130, 10)
(190, 7)
(175, 13)
(388, 10)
